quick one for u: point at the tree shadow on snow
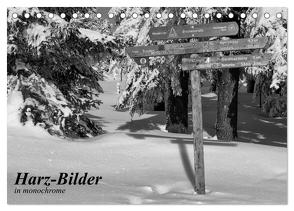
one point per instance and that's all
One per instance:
(176, 138)
(253, 125)
(142, 123)
(97, 119)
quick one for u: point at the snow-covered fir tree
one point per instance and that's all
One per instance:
(48, 62)
(271, 80)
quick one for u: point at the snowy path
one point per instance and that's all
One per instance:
(141, 164)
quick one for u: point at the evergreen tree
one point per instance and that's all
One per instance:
(48, 64)
(271, 80)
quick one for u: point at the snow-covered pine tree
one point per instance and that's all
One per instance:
(47, 63)
(271, 81)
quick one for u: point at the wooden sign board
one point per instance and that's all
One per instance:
(197, 47)
(234, 61)
(190, 31)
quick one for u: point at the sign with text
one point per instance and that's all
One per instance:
(190, 31)
(197, 47)
(234, 61)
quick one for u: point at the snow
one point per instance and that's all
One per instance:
(96, 36)
(14, 102)
(137, 28)
(140, 164)
(275, 30)
(36, 34)
(272, 11)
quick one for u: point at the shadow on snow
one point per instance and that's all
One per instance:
(151, 123)
(253, 125)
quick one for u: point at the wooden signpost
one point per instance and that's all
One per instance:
(197, 47)
(221, 62)
(190, 31)
(141, 54)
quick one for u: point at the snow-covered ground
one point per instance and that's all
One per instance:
(142, 164)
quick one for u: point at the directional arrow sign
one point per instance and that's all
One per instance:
(190, 31)
(225, 62)
(199, 47)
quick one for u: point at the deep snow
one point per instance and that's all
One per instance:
(141, 164)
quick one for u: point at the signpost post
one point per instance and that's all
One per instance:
(141, 54)
(199, 185)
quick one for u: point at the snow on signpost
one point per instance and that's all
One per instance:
(141, 54)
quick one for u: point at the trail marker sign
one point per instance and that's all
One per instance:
(234, 61)
(141, 55)
(197, 47)
(190, 31)
(172, 34)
